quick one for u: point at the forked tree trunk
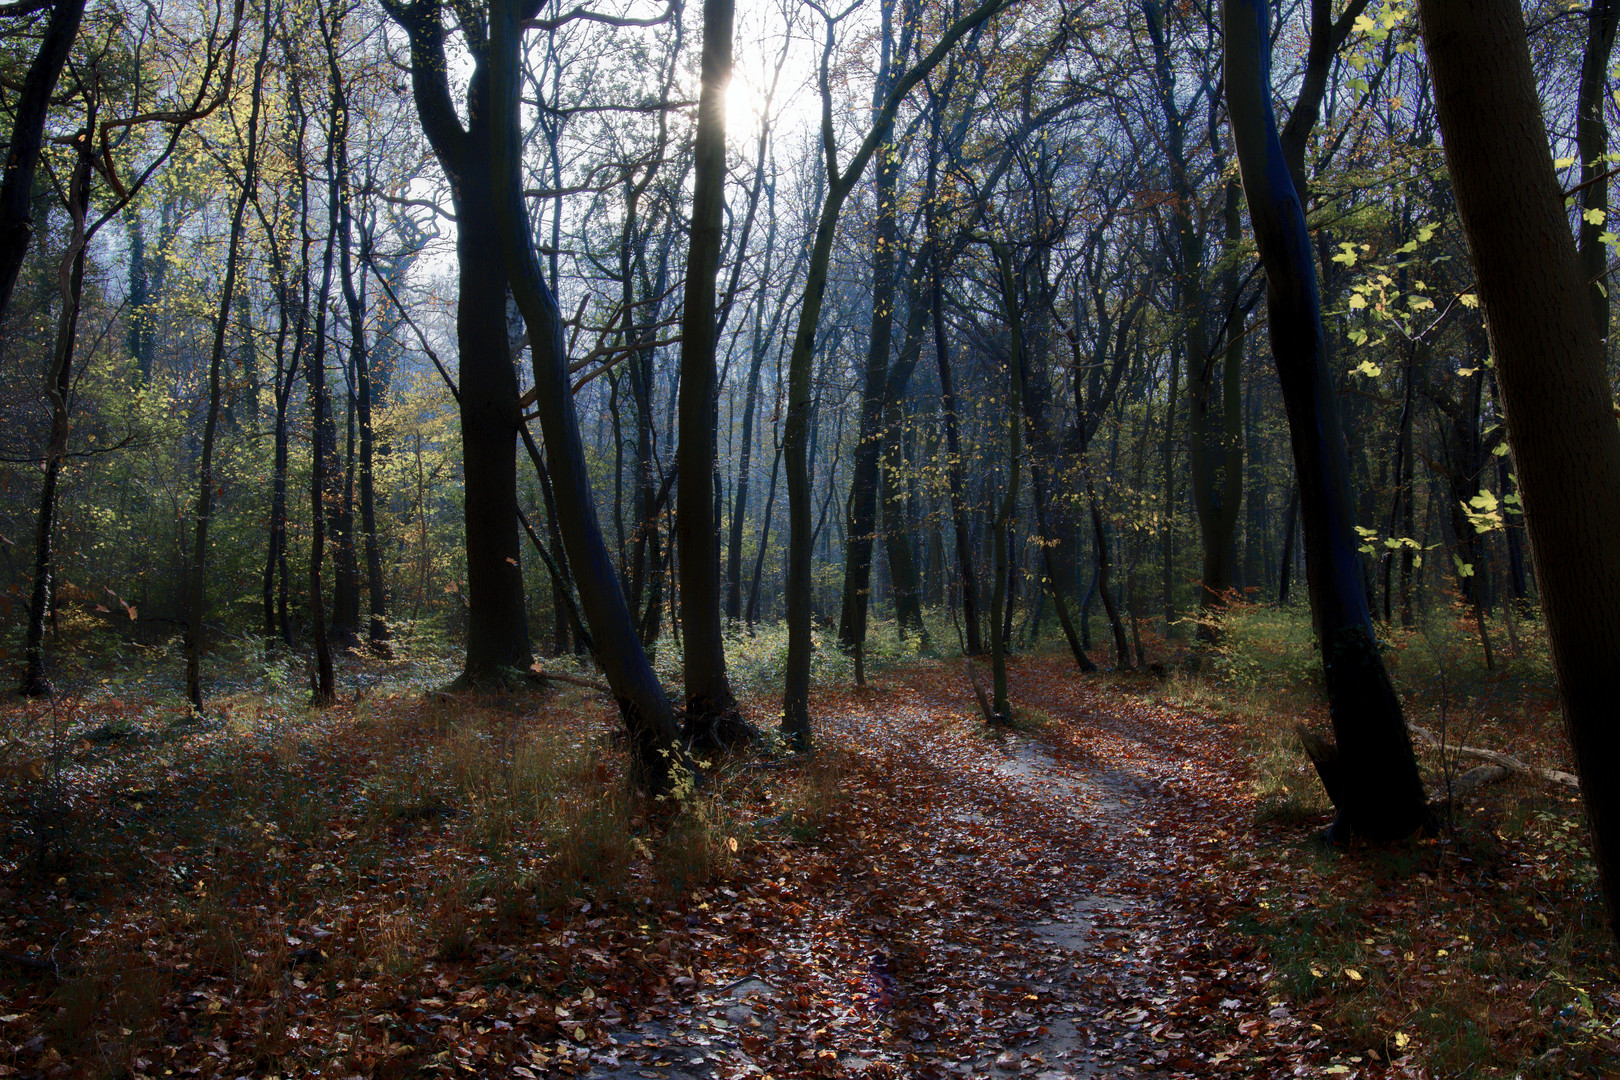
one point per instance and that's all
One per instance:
(1380, 794)
(657, 759)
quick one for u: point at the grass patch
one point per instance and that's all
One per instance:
(1479, 951)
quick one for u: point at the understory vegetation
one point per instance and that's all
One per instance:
(272, 881)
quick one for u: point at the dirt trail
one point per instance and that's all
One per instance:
(1016, 905)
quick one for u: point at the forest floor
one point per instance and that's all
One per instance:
(413, 885)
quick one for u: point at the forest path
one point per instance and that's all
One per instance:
(1045, 902)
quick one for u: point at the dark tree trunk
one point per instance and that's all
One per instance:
(58, 386)
(1592, 147)
(961, 527)
(1009, 499)
(497, 630)
(27, 137)
(711, 708)
(1285, 572)
(197, 597)
(377, 634)
(861, 529)
(1381, 793)
(1551, 372)
(656, 756)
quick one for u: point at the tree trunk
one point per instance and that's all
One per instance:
(27, 137)
(1550, 371)
(861, 530)
(711, 708)
(1383, 795)
(1009, 499)
(1592, 147)
(197, 597)
(657, 759)
(58, 387)
(497, 629)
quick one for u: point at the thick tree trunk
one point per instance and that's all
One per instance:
(1382, 797)
(27, 137)
(1550, 370)
(497, 629)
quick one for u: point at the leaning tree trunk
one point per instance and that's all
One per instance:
(1550, 371)
(1373, 776)
(27, 137)
(657, 758)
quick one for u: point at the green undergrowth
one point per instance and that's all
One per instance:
(1479, 950)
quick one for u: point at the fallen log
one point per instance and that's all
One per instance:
(573, 680)
(1554, 776)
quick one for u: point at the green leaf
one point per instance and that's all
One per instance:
(1593, 216)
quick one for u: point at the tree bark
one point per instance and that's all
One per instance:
(27, 137)
(1550, 372)
(1383, 797)
(711, 707)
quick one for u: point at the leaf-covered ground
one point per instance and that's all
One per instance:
(416, 885)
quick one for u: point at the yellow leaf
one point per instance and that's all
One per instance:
(1401, 1039)
(1352, 974)
(1563, 162)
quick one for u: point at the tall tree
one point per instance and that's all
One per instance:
(497, 630)
(1550, 371)
(656, 754)
(796, 431)
(1372, 775)
(711, 708)
(197, 593)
